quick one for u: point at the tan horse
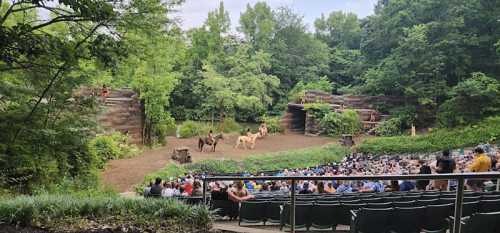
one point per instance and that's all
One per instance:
(244, 140)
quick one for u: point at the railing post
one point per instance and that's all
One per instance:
(498, 184)
(458, 205)
(292, 206)
(204, 191)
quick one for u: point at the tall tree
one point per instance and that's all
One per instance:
(257, 24)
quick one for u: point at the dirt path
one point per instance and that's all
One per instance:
(123, 174)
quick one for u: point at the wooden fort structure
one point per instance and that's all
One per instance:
(298, 119)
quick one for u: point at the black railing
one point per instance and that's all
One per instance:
(460, 177)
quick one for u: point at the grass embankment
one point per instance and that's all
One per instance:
(64, 213)
(487, 130)
(253, 164)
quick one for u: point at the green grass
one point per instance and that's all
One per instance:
(487, 130)
(271, 161)
(69, 213)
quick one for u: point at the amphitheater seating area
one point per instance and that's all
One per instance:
(396, 212)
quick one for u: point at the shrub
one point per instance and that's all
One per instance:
(230, 125)
(190, 129)
(391, 127)
(335, 124)
(273, 124)
(487, 130)
(113, 146)
(60, 213)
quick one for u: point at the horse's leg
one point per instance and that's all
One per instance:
(215, 144)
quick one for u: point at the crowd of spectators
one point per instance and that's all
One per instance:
(482, 158)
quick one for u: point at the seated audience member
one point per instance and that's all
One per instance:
(305, 189)
(321, 188)
(406, 185)
(197, 189)
(329, 188)
(156, 189)
(239, 193)
(372, 187)
(344, 187)
(393, 187)
(168, 191)
(147, 189)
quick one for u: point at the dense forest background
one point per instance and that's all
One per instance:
(441, 57)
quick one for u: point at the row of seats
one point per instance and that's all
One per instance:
(332, 214)
(418, 219)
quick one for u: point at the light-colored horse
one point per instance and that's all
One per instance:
(263, 130)
(244, 140)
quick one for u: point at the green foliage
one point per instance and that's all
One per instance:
(298, 91)
(391, 127)
(266, 162)
(65, 213)
(336, 124)
(273, 124)
(190, 129)
(317, 110)
(113, 146)
(487, 130)
(471, 99)
(230, 125)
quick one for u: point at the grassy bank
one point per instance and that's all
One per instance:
(271, 161)
(63, 213)
(485, 131)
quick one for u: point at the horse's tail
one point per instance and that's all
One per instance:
(200, 144)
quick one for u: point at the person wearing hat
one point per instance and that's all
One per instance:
(481, 163)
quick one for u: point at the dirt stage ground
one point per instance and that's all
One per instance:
(123, 174)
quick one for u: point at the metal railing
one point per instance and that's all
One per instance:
(460, 177)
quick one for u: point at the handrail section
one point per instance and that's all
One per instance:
(460, 177)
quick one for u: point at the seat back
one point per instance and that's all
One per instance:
(407, 219)
(435, 217)
(372, 220)
(251, 211)
(487, 206)
(404, 203)
(490, 197)
(470, 208)
(225, 208)
(273, 212)
(324, 216)
(302, 215)
(482, 223)
(427, 202)
(345, 212)
(379, 205)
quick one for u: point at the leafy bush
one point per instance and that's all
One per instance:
(230, 125)
(273, 124)
(266, 162)
(113, 146)
(299, 90)
(335, 124)
(64, 212)
(391, 127)
(318, 110)
(487, 130)
(190, 129)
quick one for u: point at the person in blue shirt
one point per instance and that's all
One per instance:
(344, 188)
(406, 185)
(372, 187)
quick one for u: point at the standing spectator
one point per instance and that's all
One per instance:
(481, 163)
(424, 169)
(445, 164)
(239, 193)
